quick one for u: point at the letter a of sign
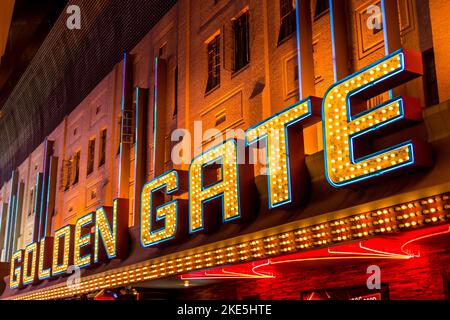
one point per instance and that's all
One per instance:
(74, 20)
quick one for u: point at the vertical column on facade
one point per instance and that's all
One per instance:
(3, 216)
(266, 101)
(391, 26)
(51, 196)
(159, 116)
(48, 152)
(339, 33)
(59, 193)
(305, 49)
(140, 150)
(391, 32)
(126, 134)
(305, 56)
(439, 28)
(37, 206)
(17, 216)
(9, 227)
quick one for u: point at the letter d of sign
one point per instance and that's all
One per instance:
(348, 123)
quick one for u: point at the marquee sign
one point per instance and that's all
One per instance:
(220, 181)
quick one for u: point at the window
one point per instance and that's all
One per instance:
(241, 42)
(288, 20)
(221, 118)
(321, 7)
(102, 158)
(31, 203)
(213, 63)
(91, 156)
(431, 84)
(75, 168)
(65, 175)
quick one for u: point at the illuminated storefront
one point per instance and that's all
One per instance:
(354, 179)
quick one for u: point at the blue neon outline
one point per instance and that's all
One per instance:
(2, 212)
(10, 218)
(383, 21)
(16, 213)
(48, 196)
(88, 235)
(333, 40)
(224, 220)
(408, 143)
(155, 113)
(286, 128)
(44, 188)
(122, 109)
(35, 204)
(385, 35)
(54, 241)
(10, 226)
(25, 253)
(14, 259)
(49, 270)
(299, 65)
(168, 192)
(96, 229)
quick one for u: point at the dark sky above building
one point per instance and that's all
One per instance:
(67, 65)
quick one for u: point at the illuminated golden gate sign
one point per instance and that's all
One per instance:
(346, 160)
(218, 178)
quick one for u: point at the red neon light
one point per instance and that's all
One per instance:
(392, 247)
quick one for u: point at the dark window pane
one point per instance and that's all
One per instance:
(91, 155)
(287, 20)
(431, 85)
(76, 168)
(241, 42)
(102, 157)
(321, 7)
(213, 63)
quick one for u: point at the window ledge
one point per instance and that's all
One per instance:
(210, 91)
(289, 37)
(241, 70)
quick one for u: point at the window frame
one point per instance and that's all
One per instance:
(237, 68)
(90, 164)
(214, 61)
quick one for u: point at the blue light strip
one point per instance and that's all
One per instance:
(300, 80)
(333, 40)
(385, 35)
(155, 115)
(36, 206)
(124, 75)
(49, 189)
